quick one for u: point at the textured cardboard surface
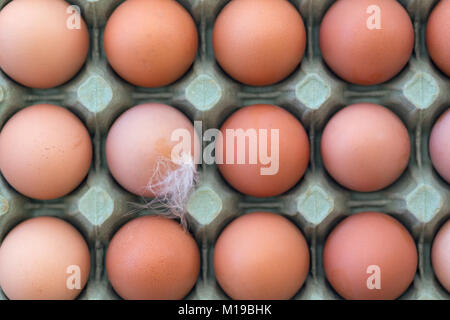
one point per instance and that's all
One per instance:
(420, 199)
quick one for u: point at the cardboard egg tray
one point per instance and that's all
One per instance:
(420, 199)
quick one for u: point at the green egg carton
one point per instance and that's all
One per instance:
(420, 199)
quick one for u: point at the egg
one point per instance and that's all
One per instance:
(437, 35)
(139, 139)
(365, 147)
(43, 258)
(370, 256)
(45, 151)
(440, 145)
(366, 42)
(261, 256)
(440, 255)
(151, 258)
(273, 146)
(43, 43)
(259, 42)
(150, 43)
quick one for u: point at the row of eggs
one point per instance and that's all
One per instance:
(46, 151)
(257, 42)
(259, 255)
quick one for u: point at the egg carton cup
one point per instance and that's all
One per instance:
(420, 199)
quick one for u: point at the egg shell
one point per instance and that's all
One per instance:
(370, 239)
(139, 138)
(365, 147)
(150, 43)
(40, 44)
(440, 145)
(259, 42)
(151, 258)
(36, 259)
(293, 151)
(55, 151)
(261, 256)
(440, 255)
(358, 50)
(437, 35)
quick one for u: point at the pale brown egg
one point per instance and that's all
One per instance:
(152, 258)
(43, 258)
(437, 35)
(259, 42)
(370, 256)
(139, 145)
(45, 151)
(365, 147)
(366, 42)
(440, 255)
(440, 145)
(150, 43)
(261, 256)
(43, 43)
(273, 146)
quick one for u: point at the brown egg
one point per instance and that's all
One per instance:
(43, 43)
(43, 258)
(370, 256)
(438, 33)
(45, 151)
(138, 140)
(366, 42)
(261, 256)
(440, 145)
(287, 149)
(365, 147)
(150, 43)
(259, 42)
(152, 258)
(440, 255)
